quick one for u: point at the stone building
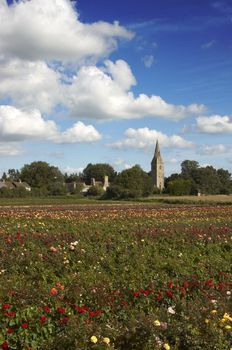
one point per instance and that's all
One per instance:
(157, 169)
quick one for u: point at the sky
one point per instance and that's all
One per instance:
(99, 81)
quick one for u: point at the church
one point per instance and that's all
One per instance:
(157, 168)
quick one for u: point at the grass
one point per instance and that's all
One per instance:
(159, 199)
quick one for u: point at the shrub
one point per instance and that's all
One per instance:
(95, 191)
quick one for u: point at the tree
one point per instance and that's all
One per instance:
(74, 177)
(13, 175)
(4, 177)
(95, 191)
(131, 183)
(43, 176)
(98, 171)
(179, 187)
(187, 167)
(225, 181)
(206, 180)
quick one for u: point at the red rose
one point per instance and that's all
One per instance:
(5, 306)
(5, 345)
(47, 309)
(91, 313)
(61, 310)
(81, 310)
(10, 314)
(24, 325)
(43, 318)
(10, 330)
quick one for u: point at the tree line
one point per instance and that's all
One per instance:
(46, 180)
(194, 179)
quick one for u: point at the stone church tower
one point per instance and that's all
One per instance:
(157, 169)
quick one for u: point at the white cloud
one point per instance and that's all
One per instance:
(98, 95)
(22, 125)
(78, 133)
(148, 60)
(51, 30)
(215, 124)
(120, 164)
(30, 84)
(121, 73)
(209, 44)
(173, 161)
(145, 138)
(10, 149)
(212, 150)
(70, 170)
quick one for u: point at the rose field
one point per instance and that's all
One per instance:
(116, 276)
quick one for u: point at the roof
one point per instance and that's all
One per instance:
(6, 184)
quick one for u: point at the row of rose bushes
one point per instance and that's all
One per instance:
(77, 279)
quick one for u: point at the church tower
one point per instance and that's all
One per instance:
(157, 168)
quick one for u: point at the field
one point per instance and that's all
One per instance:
(116, 276)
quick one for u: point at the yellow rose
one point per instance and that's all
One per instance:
(106, 340)
(213, 312)
(166, 346)
(227, 327)
(206, 321)
(93, 339)
(157, 323)
(227, 317)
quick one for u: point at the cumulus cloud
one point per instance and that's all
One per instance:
(145, 138)
(78, 133)
(212, 150)
(51, 30)
(102, 93)
(214, 124)
(21, 125)
(30, 84)
(148, 60)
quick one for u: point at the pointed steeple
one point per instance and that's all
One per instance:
(157, 154)
(157, 168)
(157, 149)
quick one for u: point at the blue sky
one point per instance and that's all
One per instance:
(101, 81)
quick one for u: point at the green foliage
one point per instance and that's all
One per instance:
(19, 192)
(13, 175)
(98, 171)
(121, 277)
(95, 191)
(207, 180)
(48, 179)
(77, 190)
(188, 166)
(131, 183)
(74, 177)
(179, 187)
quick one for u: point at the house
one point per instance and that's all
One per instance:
(6, 184)
(71, 186)
(10, 185)
(20, 184)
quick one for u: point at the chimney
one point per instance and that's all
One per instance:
(106, 182)
(93, 182)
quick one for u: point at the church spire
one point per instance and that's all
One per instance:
(157, 168)
(157, 149)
